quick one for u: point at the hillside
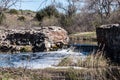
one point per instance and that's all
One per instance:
(26, 18)
(20, 19)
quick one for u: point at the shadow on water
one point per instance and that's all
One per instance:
(85, 49)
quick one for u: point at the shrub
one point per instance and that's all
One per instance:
(66, 21)
(2, 17)
(71, 75)
(40, 15)
(13, 11)
(21, 18)
(26, 49)
(47, 12)
(66, 62)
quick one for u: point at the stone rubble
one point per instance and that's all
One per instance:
(39, 38)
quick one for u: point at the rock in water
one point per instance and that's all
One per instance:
(39, 38)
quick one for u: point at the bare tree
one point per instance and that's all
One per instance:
(4, 4)
(103, 8)
(117, 3)
(70, 7)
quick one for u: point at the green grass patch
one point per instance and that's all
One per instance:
(26, 49)
(84, 34)
(83, 38)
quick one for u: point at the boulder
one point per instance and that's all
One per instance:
(55, 36)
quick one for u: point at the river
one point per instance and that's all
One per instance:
(41, 60)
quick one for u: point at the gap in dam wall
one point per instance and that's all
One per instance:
(108, 37)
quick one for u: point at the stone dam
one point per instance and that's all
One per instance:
(36, 39)
(108, 37)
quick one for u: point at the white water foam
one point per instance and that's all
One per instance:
(39, 60)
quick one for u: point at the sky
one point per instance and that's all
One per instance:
(36, 5)
(33, 5)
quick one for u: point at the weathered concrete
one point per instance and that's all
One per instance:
(39, 38)
(108, 37)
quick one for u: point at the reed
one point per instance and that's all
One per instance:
(94, 61)
(108, 73)
(68, 61)
(91, 61)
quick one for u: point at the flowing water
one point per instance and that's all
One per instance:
(37, 60)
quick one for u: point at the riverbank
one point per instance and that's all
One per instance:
(60, 74)
(83, 38)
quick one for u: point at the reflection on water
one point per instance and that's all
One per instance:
(85, 48)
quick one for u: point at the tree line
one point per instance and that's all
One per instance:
(75, 15)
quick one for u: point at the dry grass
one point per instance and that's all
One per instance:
(108, 73)
(22, 74)
(68, 61)
(97, 69)
(12, 20)
(91, 61)
(94, 60)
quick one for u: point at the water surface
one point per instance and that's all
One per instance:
(35, 60)
(43, 59)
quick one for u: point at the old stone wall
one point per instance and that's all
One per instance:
(37, 38)
(108, 37)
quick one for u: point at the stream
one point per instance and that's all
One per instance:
(39, 60)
